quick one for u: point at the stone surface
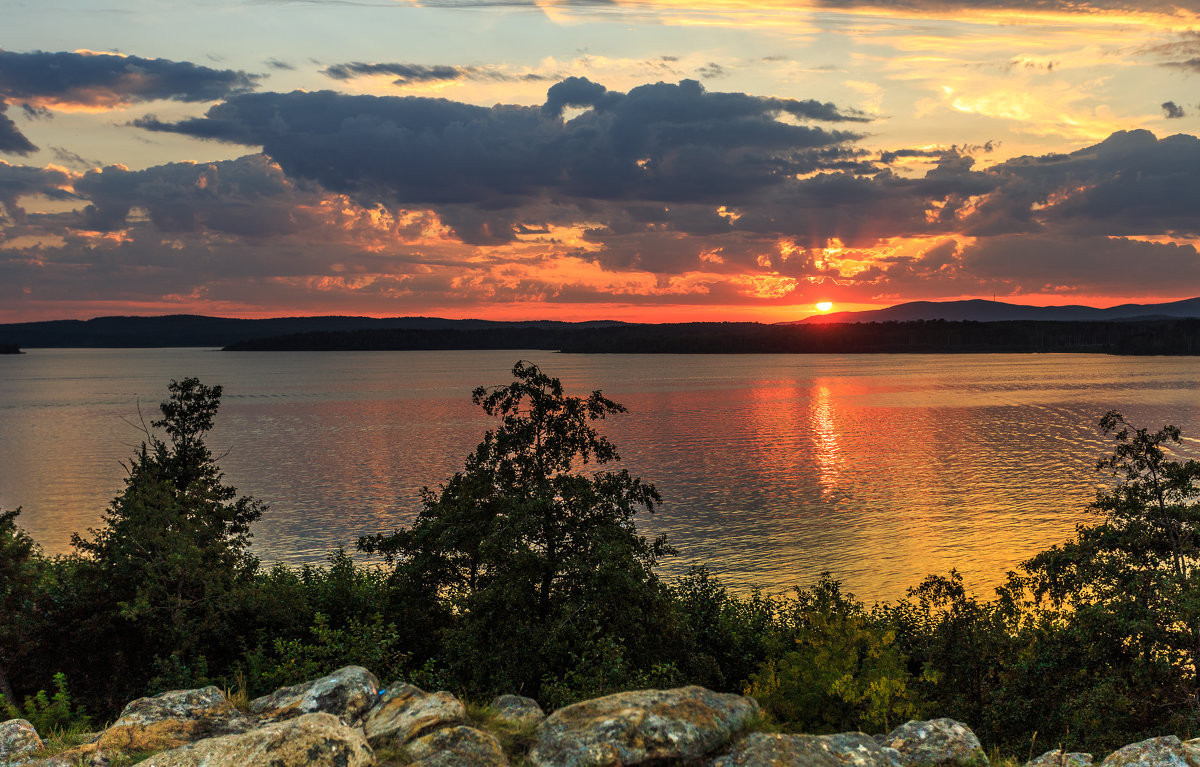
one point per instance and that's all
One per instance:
(173, 719)
(17, 738)
(405, 712)
(937, 742)
(517, 709)
(457, 747)
(347, 693)
(308, 740)
(1155, 752)
(1060, 758)
(846, 749)
(640, 727)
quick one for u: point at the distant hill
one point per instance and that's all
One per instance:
(1168, 336)
(979, 310)
(198, 330)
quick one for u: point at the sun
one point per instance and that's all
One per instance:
(825, 306)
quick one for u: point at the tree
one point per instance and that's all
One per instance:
(526, 560)
(1126, 590)
(174, 548)
(21, 568)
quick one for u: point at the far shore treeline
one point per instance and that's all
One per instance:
(525, 573)
(1160, 335)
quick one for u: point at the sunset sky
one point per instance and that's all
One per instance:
(654, 160)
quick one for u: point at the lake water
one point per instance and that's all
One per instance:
(881, 468)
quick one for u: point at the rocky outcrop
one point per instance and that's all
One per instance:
(517, 710)
(641, 727)
(348, 693)
(17, 738)
(847, 749)
(405, 713)
(1155, 752)
(457, 747)
(312, 740)
(936, 743)
(1060, 758)
(173, 719)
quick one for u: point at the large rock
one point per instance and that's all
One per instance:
(172, 719)
(456, 747)
(309, 740)
(17, 738)
(1060, 758)
(347, 693)
(517, 710)
(641, 726)
(936, 743)
(846, 749)
(1155, 752)
(405, 712)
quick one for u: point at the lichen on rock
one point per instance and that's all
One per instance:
(641, 727)
(517, 710)
(309, 740)
(172, 719)
(1060, 758)
(459, 746)
(1154, 752)
(846, 749)
(348, 693)
(17, 738)
(936, 743)
(405, 712)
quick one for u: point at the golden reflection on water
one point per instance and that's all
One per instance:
(881, 469)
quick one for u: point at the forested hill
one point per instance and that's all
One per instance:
(1170, 336)
(198, 330)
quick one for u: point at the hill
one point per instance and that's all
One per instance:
(979, 310)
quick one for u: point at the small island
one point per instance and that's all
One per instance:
(10, 349)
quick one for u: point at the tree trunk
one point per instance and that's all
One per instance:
(5, 687)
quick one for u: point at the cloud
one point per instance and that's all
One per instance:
(102, 80)
(404, 73)
(1171, 110)
(12, 141)
(668, 142)
(17, 181)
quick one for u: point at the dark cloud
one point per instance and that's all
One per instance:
(275, 63)
(12, 141)
(73, 160)
(659, 142)
(1171, 110)
(407, 74)
(17, 181)
(98, 79)
(712, 71)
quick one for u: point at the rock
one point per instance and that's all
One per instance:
(845, 749)
(517, 710)
(935, 743)
(308, 740)
(457, 747)
(641, 726)
(17, 737)
(87, 755)
(405, 712)
(347, 693)
(172, 719)
(1155, 752)
(1060, 758)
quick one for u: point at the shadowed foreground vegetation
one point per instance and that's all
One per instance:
(525, 573)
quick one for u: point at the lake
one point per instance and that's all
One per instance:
(879, 468)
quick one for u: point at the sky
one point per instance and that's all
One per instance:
(647, 160)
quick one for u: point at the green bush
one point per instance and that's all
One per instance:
(49, 713)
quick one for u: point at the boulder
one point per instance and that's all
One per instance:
(347, 693)
(308, 740)
(936, 743)
(17, 737)
(1060, 758)
(641, 726)
(405, 712)
(846, 749)
(457, 747)
(1155, 752)
(86, 755)
(172, 719)
(517, 710)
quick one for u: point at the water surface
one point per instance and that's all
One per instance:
(879, 468)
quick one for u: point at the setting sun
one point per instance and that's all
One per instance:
(825, 306)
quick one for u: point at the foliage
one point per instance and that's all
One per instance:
(844, 671)
(48, 713)
(21, 569)
(520, 556)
